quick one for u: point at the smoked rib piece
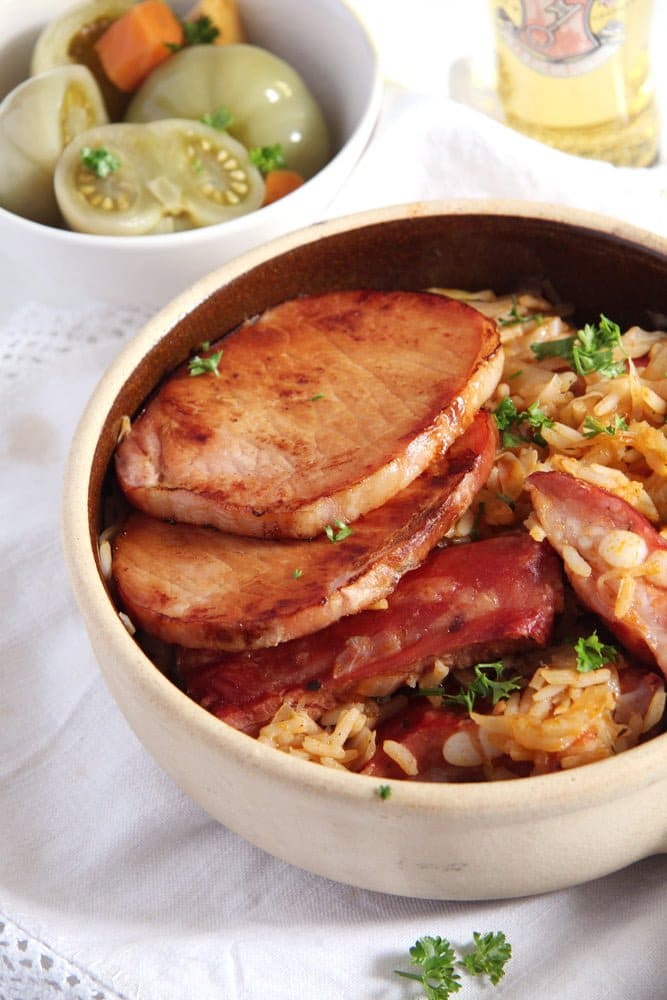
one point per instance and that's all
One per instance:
(466, 603)
(616, 547)
(200, 587)
(324, 407)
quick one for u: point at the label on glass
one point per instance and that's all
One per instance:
(556, 37)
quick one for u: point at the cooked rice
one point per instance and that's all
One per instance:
(343, 738)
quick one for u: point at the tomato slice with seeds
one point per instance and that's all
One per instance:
(169, 175)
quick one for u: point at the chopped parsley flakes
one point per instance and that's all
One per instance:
(99, 160)
(514, 317)
(268, 158)
(593, 427)
(220, 119)
(593, 654)
(590, 350)
(487, 684)
(201, 31)
(520, 426)
(203, 366)
(338, 531)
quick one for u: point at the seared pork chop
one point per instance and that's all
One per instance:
(465, 603)
(322, 409)
(201, 587)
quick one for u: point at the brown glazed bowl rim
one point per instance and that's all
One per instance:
(552, 794)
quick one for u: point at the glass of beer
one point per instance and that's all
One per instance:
(576, 74)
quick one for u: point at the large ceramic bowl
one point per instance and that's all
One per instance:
(330, 48)
(459, 841)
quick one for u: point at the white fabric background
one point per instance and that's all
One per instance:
(113, 884)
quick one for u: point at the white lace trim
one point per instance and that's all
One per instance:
(36, 335)
(30, 970)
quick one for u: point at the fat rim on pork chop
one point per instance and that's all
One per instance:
(319, 411)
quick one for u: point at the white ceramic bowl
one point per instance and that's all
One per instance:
(329, 47)
(457, 841)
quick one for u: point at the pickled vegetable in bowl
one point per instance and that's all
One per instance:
(62, 102)
(236, 115)
(322, 41)
(125, 179)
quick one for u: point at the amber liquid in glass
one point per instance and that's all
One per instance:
(576, 74)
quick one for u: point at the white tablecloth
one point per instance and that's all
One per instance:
(112, 883)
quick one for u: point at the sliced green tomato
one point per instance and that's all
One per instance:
(267, 99)
(212, 170)
(173, 175)
(37, 121)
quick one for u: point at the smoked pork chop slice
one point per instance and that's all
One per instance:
(201, 587)
(323, 408)
(466, 603)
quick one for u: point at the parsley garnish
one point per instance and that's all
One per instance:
(201, 366)
(268, 158)
(383, 791)
(438, 964)
(337, 531)
(514, 317)
(202, 31)
(297, 574)
(590, 350)
(220, 119)
(511, 422)
(487, 683)
(319, 395)
(593, 427)
(99, 160)
(593, 654)
(491, 954)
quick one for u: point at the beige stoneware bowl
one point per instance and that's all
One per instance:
(458, 841)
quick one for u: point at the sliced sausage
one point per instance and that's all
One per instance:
(615, 560)
(466, 603)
